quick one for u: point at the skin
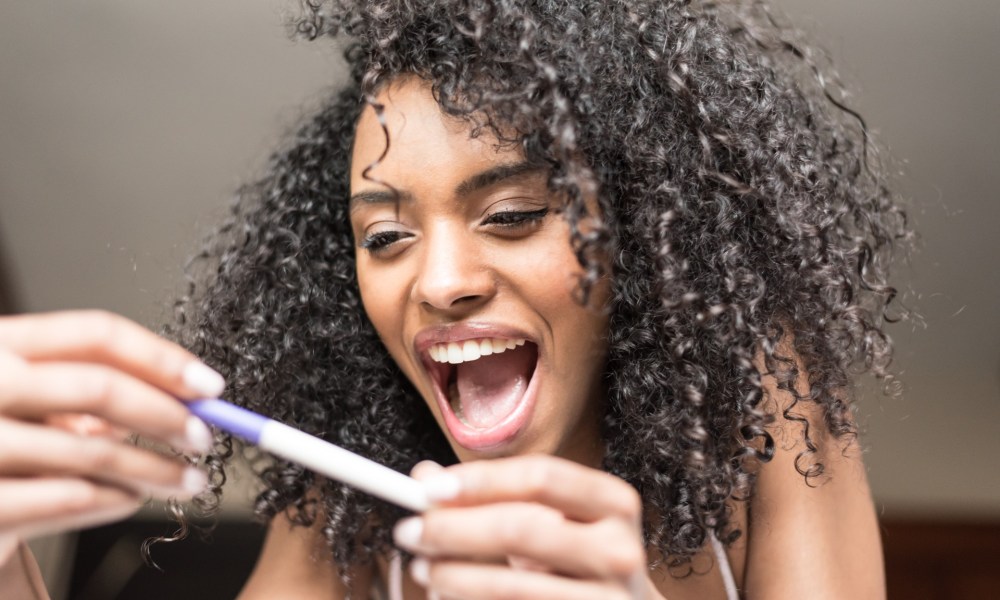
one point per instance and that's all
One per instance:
(452, 264)
(75, 386)
(538, 520)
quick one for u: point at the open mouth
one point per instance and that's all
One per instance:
(484, 387)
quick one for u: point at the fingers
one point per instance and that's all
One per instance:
(72, 385)
(424, 469)
(456, 579)
(34, 507)
(85, 520)
(535, 526)
(97, 336)
(28, 450)
(36, 390)
(608, 549)
(578, 492)
(82, 424)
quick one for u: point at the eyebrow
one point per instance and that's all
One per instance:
(474, 183)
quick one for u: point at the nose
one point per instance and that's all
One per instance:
(453, 271)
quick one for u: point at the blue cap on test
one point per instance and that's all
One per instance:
(229, 417)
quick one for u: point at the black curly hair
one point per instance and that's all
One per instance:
(742, 207)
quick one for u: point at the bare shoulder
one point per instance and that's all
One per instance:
(295, 563)
(815, 538)
(798, 418)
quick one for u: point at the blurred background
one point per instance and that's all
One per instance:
(125, 127)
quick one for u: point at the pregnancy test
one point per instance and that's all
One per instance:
(313, 453)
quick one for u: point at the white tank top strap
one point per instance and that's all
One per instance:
(727, 572)
(396, 577)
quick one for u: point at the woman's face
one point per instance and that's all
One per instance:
(470, 284)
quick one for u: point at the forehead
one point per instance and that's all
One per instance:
(425, 146)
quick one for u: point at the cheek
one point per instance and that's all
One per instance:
(551, 289)
(547, 272)
(554, 277)
(572, 389)
(382, 300)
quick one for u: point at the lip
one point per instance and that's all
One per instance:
(507, 429)
(470, 330)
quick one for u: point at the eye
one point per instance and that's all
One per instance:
(516, 218)
(378, 242)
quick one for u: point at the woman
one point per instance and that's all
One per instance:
(629, 252)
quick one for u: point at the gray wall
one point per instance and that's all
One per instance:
(125, 125)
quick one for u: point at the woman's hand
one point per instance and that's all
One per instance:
(73, 386)
(527, 527)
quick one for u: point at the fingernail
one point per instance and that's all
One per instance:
(194, 481)
(442, 487)
(199, 437)
(429, 464)
(408, 532)
(203, 380)
(420, 570)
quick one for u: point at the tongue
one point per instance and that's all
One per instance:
(489, 388)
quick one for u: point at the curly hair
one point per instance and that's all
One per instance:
(742, 205)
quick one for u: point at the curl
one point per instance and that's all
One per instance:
(739, 208)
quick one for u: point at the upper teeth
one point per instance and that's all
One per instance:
(459, 352)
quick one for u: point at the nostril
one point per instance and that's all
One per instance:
(445, 298)
(461, 302)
